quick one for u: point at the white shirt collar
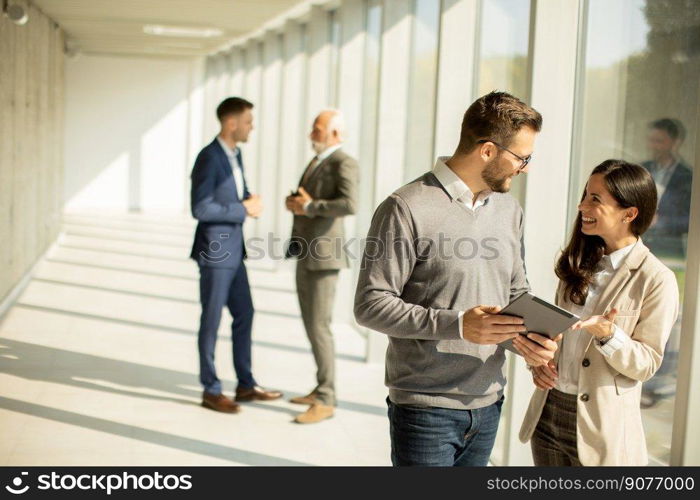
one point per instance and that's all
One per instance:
(328, 151)
(664, 174)
(229, 152)
(616, 258)
(455, 187)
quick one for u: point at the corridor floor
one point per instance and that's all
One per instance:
(98, 362)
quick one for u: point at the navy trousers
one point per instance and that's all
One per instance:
(218, 288)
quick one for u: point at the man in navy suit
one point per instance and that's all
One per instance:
(221, 202)
(673, 177)
(667, 236)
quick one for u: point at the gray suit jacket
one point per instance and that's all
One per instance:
(319, 236)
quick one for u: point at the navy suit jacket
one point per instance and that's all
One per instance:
(673, 211)
(218, 240)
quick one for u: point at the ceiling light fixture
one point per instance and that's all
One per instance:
(181, 31)
(15, 12)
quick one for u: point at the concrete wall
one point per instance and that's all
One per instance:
(129, 139)
(31, 130)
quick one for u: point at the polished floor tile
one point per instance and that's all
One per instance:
(98, 362)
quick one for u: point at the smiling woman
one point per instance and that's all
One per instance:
(616, 208)
(628, 302)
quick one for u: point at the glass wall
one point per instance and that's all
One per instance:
(370, 101)
(304, 130)
(639, 80)
(422, 90)
(373, 13)
(503, 64)
(503, 46)
(334, 35)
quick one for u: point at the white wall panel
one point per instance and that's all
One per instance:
(455, 72)
(127, 133)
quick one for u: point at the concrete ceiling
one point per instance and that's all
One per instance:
(117, 26)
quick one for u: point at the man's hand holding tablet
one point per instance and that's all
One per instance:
(483, 325)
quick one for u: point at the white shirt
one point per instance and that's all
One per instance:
(456, 187)
(575, 342)
(231, 154)
(319, 158)
(458, 190)
(327, 152)
(662, 175)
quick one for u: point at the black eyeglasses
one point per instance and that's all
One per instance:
(523, 161)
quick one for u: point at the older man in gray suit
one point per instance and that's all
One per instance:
(327, 192)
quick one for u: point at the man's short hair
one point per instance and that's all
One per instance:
(497, 116)
(674, 128)
(232, 106)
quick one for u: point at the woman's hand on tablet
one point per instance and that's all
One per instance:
(537, 349)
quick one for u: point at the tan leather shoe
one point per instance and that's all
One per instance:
(256, 394)
(309, 399)
(219, 402)
(314, 414)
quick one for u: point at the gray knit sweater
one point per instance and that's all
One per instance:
(427, 258)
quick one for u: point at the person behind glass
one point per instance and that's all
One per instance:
(673, 178)
(666, 237)
(221, 203)
(585, 410)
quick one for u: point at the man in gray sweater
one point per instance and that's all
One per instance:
(438, 249)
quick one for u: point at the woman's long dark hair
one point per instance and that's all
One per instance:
(632, 186)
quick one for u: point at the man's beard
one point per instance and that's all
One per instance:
(659, 156)
(319, 147)
(496, 178)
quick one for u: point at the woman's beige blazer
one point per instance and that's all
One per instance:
(609, 420)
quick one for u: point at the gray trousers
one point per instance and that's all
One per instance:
(316, 291)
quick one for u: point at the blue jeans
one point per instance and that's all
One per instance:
(441, 436)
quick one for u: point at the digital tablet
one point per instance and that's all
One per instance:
(540, 316)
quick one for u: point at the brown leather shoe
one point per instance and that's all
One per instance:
(309, 399)
(314, 414)
(219, 402)
(256, 393)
